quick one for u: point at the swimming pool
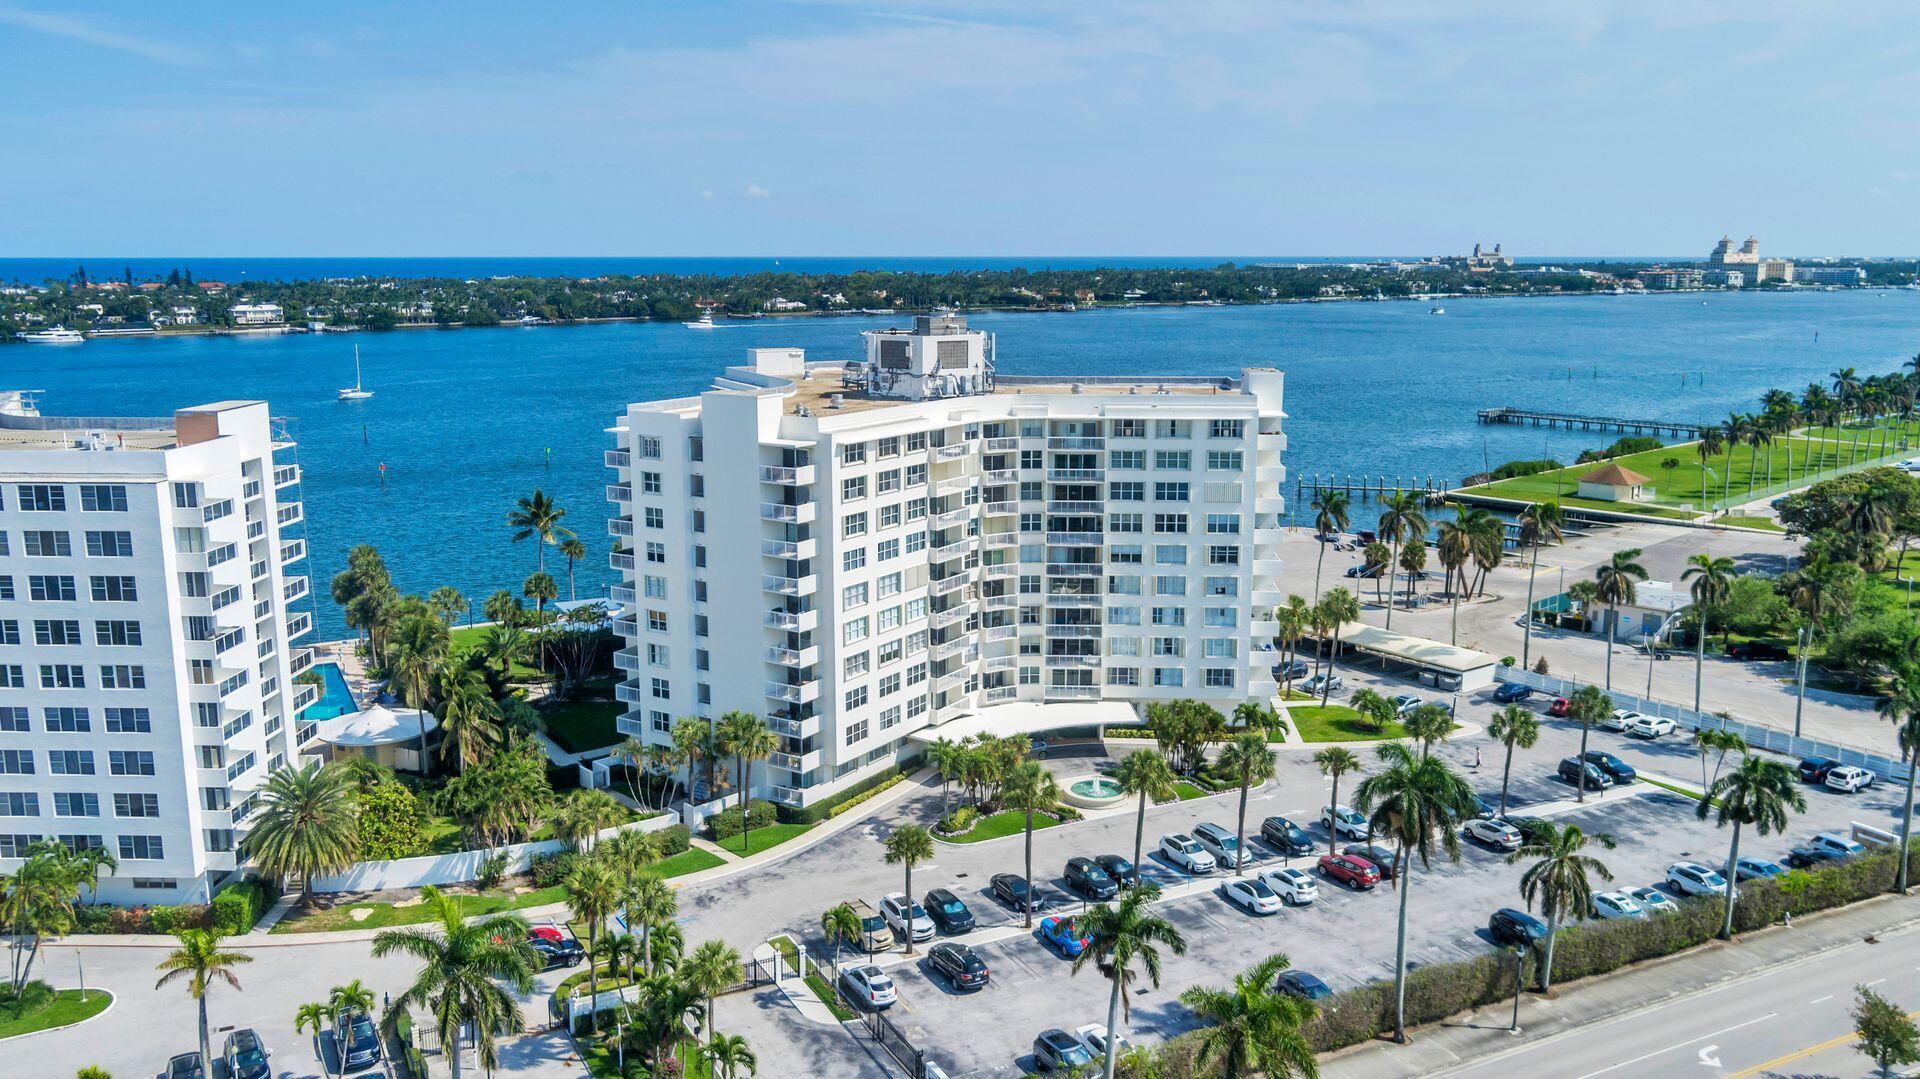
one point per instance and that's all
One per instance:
(335, 698)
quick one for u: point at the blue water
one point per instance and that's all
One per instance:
(336, 699)
(466, 421)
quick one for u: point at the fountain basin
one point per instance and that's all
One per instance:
(1092, 792)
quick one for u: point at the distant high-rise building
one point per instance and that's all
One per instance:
(1481, 261)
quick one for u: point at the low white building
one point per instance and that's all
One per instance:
(256, 314)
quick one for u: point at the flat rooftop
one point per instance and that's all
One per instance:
(92, 437)
(818, 390)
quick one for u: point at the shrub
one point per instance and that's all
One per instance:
(1523, 468)
(240, 905)
(173, 919)
(547, 870)
(389, 822)
(31, 997)
(957, 821)
(726, 823)
(493, 869)
(847, 799)
(1064, 813)
(675, 839)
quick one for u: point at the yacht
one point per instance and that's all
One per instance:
(705, 323)
(355, 392)
(1436, 310)
(58, 335)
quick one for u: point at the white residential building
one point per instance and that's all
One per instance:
(911, 546)
(256, 314)
(147, 571)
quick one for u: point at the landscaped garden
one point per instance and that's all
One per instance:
(1339, 723)
(583, 725)
(998, 825)
(760, 839)
(39, 1007)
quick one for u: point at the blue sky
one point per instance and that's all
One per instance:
(825, 128)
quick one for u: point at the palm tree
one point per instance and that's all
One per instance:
(650, 902)
(1029, 787)
(1144, 773)
(538, 518)
(593, 891)
(1427, 724)
(1336, 608)
(1760, 792)
(1733, 431)
(414, 654)
(307, 825)
(943, 756)
(1539, 522)
(1247, 758)
(1558, 879)
(1118, 934)
(1335, 761)
(1614, 582)
(1413, 800)
(692, 738)
(1413, 561)
(1902, 707)
(1487, 541)
(502, 607)
(200, 962)
(469, 716)
(1329, 518)
(462, 965)
(712, 969)
(1587, 706)
(1454, 542)
(746, 739)
(38, 900)
(729, 1056)
(1512, 726)
(314, 1016)
(906, 845)
(839, 925)
(1253, 1028)
(1403, 520)
(1712, 582)
(573, 551)
(447, 604)
(1709, 446)
(660, 1016)
(1291, 623)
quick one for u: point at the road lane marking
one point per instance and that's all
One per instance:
(1804, 1053)
(1876, 981)
(1821, 1000)
(1679, 1045)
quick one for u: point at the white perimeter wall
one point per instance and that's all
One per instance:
(457, 868)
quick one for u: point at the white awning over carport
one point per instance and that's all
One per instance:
(1475, 669)
(1032, 717)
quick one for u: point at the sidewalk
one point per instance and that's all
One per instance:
(1482, 1035)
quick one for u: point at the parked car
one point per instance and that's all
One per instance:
(1848, 778)
(948, 912)
(1344, 820)
(1294, 669)
(1510, 926)
(1064, 934)
(1815, 769)
(1650, 727)
(1055, 1048)
(1618, 719)
(869, 985)
(1011, 889)
(567, 953)
(1510, 692)
(1085, 876)
(1616, 769)
(1837, 844)
(875, 934)
(1572, 769)
(185, 1066)
(1749, 868)
(1382, 858)
(1485, 808)
(1293, 886)
(1356, 873)
(1252, 895)
(1285, 836)
(1366, 571)
(1123, 872)
(1530, 827)
(1653, 900)
(1185, 852)
(357, 1039)
(906, 918)
(1323, 683)
(1617, 905)
(1759, 650)
(960, 965)
(1808, 857)
(1094, 1036)
(1560, 707)
(1497, 834)
(1223, 845)
(1403, 703)
(1692, 878)
(1301, 984)
(246, 1058)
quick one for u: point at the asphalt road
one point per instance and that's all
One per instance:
(1788, 1021)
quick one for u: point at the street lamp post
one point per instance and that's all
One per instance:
(1519, 958)
(1800, 696)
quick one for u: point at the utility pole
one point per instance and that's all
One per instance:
(1800, 698)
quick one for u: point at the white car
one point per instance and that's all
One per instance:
(1649, 727)
(1848, 778)
(1618, 905)
(1619, 719)
(1495, 833)
(870, 985)
(1692, 878)
(1837, 845)
(1344, 820)
(1293, 886)
(1404, 703)
(894, 909)
(1094, 1037)
(1252, 895)
(1186, 852)
(1652, 900)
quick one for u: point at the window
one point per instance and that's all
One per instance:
(1127, 460)
(1221, 586)
(70, 762)
(110, 544)
(890, 516)
(6, 584)
(75, 804)
(1218, 648)
(42, 498)
(649, 447)
(1221, 617)
(142, 848)
(660, 689)
(888, 621)
(1218, 677)
(16, 762)
(1127, 491)
(123, 676)
(660, 721)
(62, 676)
(916, 509)
(856, 698)
(659, 655)
(886, 550)
(1169, 646)
(1227, 429)
(61, 631)
(1169, 676)
(853, 524)
(1169, 586)
(654, 587)
(1172, 459)
(853, 558)
(1225, 460)
(916, 541)
(114, 590)
(916, 475)
(116, 633)
(186, 495)
(1172, 428)
(1125, 523)
(19, 804)
(657, 553)
(1123, 676)
(1174, 523)
(916, 441)
(219, 839)
(1170, 492)
(1123, 586)
(855, 631)
(1223, 524)
(130, 762)
(14, 720)
(856, 665)
(890, 717)
(1125, 554)
(657, 621)
(853, 453)
(888, 447)
(916, 674)
(1123, 616)
(853, 595)
(48, 544)
(103, 497)
(1123, 646)
(916, 706)
(916, 609)
(129, 721)
(1219, 555)
(1169, 616)
(1169, 554)
(856, 731)
(890, 652)
(887, 482)
(853, 488)
(1029, 676)
(67, 720)
(136, 805)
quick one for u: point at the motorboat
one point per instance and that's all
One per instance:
(58, 335)
(1436, 310)
(705, 323)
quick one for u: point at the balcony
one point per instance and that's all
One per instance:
(952, 648)
(1267, 597)
(798, 476)
(999, 694)
(301, 660)
(286, 475)
(804, 513)
(800, 729)
(952, 583)
(619, 526)
(951, 517)
(790, 586)
(1273, 473)
(789, 548)
(215, 511)
(624, 596)
(1006, 601)
(953, 451)
(954, 549)
(1001, 509)
(294, 589)
(1268, 537)
(794, 621)
(304, 695)
(1001, 475)
(627, 659)
(620, 492)
(1077, 442)
(952, 616)
(1076, 539)
(630, 692)
(299, 625)
(786, 796)
(290, 513)
(952, 681)
(954, 485)
(1005, 632)
(1000, 571)
(292, 551)
(621, 561)
(793, 657)
(1056, 630)
(1076, 507)
(1274, 504)
(1075, 475)
(1000, 663)
(1072, 661)
(619, 458)
(1074, 599)
(1072, 692)
(796, 762)
(1000, 539)
(1267, 567)
(1000, 445)
(1076, 569)
(793, 693)
(626, 626)
(952, 710)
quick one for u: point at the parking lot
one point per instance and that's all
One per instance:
(1346, 937)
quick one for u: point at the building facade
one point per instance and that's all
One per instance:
(869, 551)
(147, 683)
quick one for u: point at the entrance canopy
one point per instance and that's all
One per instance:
(1032, 717)
(1473, 668)
(376, 725)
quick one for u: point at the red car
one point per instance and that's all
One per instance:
(1352, 871)
(1559, 706)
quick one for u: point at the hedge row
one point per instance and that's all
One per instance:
(726, 823)
(547, 870)
(241, 905)
(847, 799)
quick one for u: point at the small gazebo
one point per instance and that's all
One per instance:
(1614, 483)
(378, 732)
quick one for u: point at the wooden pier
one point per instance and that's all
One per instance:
(1531, 418)
(1369, 487)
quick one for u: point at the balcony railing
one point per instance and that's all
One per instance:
(214, 511)
(789, 586)
(619, 492)
(1075, 569)
(293, 551)
(293, 589)
(1076, 539)
(952, 680)
(1055, 630)
(952, 451)
(793, 621)
(1000, 633)
(1076, 507)
(953, 485)
(626, 659)
(1073, 692)
(623, 595)
(997, 694)
(1000, 509)
(289, 513)
(951, 616)
(619, 458)
(793, 657)
(788, 514)
(630, 692)
(789, 548)
(299, 624)
(794, 476)
(951, 584)
(1077, 442)
(951, 517)
(1001, 475)
(620, 526)
(1000, 445)
(621, 560)
(285, 475)
(952, 648)
(1075, 475)
(785, 796)
(785, 691)
(1073, 661)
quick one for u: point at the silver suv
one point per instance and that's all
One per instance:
(1223, 845)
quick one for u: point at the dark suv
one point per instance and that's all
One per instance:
(1572, 769)
(1510, 926)
(1123, 872)
(1285, 836)
(947, 911)
(1616, 769)
(1085, 876)
(357, 1039)
(1815, 769)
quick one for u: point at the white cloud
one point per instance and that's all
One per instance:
(707, 194)
(91, 33)
(755, 191)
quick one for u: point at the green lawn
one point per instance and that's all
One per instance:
(578, 726)
(692, 860)
(603, 1063)
(462, 640)
(832, 999)
(65, 1009)
(1767, 523)
(1338, 723)
(763, 838)
(1188, 791)
(1010, 822)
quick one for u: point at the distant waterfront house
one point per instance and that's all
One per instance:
(1613, 483)
(255, 314)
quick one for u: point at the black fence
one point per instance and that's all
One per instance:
(874, 1024)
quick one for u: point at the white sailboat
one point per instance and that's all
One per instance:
(355, 392)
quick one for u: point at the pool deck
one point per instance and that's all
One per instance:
(352, 667)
